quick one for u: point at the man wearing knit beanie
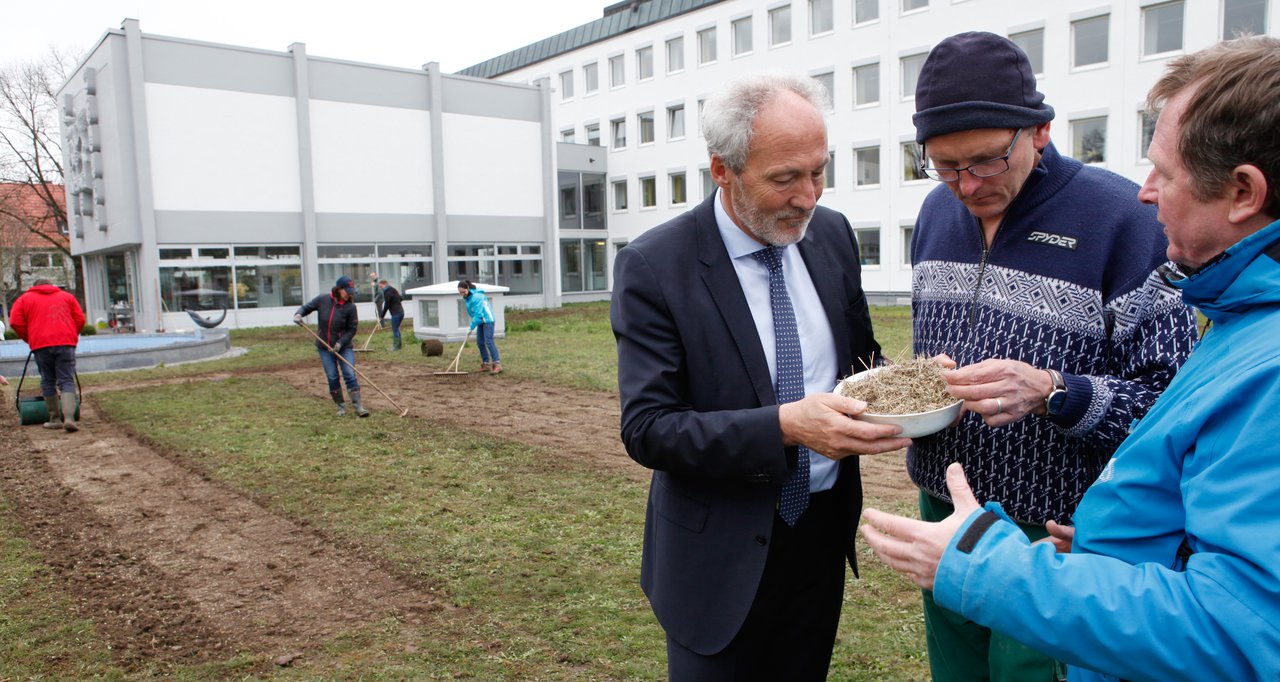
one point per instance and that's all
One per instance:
(1033, 275)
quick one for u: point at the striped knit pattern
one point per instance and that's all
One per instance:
(1124, 347)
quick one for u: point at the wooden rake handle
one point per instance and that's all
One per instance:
(403, 411)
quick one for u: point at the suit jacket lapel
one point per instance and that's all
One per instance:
(725, 291)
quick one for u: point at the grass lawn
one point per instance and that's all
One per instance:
(542, 561)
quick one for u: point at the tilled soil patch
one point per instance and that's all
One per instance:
(171, 565)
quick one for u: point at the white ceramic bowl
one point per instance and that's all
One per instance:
(913, 425)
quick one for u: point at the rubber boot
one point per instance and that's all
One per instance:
(337, 398)
(355, 402)
(69, 412)
(55, 417)
(397, 343)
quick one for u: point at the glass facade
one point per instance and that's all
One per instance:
(516, 266)
(583, 265)
(236, 277)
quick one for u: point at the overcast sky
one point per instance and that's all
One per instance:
(406, 33)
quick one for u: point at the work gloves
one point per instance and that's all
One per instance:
(297, 318)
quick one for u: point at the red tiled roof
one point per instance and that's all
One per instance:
(23, 204)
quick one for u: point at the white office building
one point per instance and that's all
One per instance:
(629, 87)
(208, 177)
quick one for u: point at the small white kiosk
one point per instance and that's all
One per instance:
(440, 313)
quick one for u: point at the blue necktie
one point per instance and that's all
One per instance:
(790, 382)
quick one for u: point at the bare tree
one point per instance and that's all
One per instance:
(30, 143)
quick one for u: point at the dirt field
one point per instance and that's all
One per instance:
(172, 566)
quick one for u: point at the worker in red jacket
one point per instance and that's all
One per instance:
(49, 320)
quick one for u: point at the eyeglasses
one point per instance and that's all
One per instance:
(982, 169)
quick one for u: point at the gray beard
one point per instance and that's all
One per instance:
(764, 226)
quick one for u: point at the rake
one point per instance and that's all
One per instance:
(403, 411)
(453, 366)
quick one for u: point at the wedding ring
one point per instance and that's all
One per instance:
(999, 406)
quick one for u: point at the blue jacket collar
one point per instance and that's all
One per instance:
(1243, 276)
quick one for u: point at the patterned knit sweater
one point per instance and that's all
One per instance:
(1067, 283)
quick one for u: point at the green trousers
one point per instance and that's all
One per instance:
(961, 650)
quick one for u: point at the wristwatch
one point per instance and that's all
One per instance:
(1057, 398)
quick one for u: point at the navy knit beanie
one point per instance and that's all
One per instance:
(976, 80)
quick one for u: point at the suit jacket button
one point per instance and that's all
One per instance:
(760, 540)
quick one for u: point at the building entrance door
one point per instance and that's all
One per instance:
(118, 271)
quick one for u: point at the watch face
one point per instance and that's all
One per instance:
(1056, 401)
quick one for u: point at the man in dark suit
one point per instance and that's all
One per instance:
(733, 322)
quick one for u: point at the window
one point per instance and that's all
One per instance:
(590, 77)
(678, 196)
(645, 119)
(779, 26)
(1243, 17)
(868, 245)
(252, 276)
(911, 163)
(907, 231)
(702, 103)
(865, 11)
(617, 71)
(675, 122)
(566, 85)
(675, 55)
(742, 36)
(708, 184)
(866, 84)
(619, 195)
(1032, 42)
(567, 135)
(593, 134)
(593, 201)
(828, 81)
(569, 185)
(829, 173)
(1162, 28)
(44, 260)
(1089, 139)
(353, 260)
(1089, 41)
(1147, 125)
(407, 265)
(913, 5)
(911, 73)
(518, 266)
(707, 45)
(582, 265)
(648, 192)
(619, 127)
(821, 18)
(866, 166)
(644, 63)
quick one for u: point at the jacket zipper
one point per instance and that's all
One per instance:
(982, 267)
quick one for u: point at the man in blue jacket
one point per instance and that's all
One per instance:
(1175, 566)
(1035, 274)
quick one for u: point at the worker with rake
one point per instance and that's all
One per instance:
(335, 328)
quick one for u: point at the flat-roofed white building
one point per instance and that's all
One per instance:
(204, 176)
(631, 84)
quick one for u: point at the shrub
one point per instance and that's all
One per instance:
(89, 330)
